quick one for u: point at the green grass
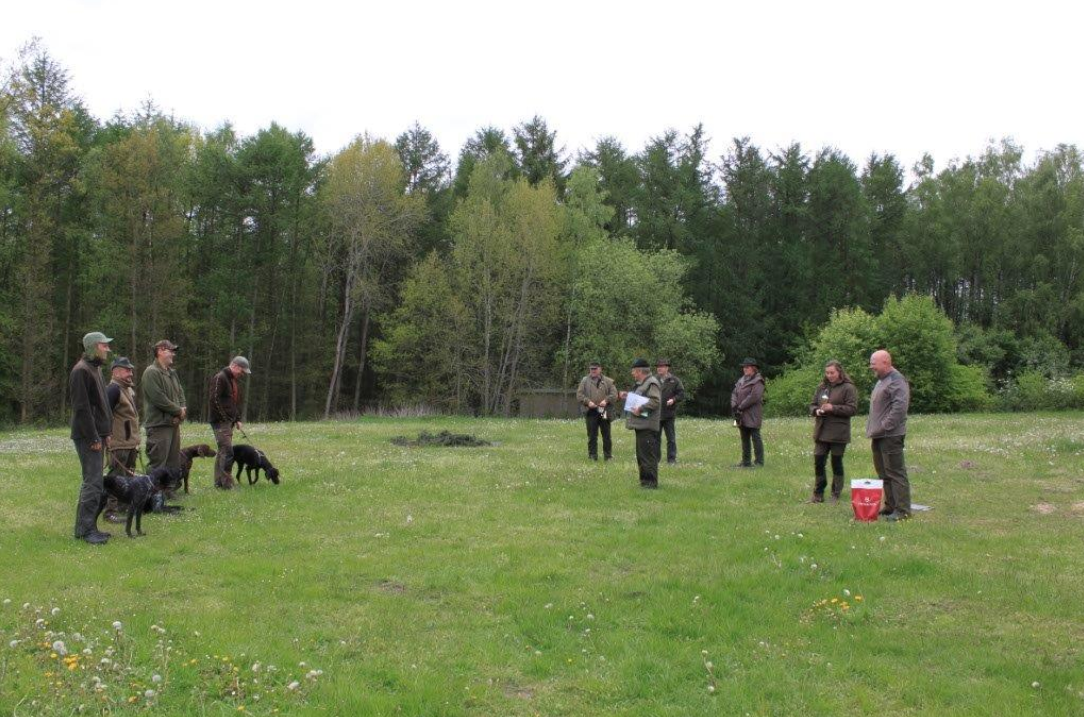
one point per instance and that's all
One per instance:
(523, 580)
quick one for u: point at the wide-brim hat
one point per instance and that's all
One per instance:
(641, 363)
(750, 362)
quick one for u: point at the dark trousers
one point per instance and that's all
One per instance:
(126, 458)
(90, 492)
(647, 457)
(889, 463)
(819, 462)
(595, 424)
(163, 447)
(224, 458)
(668, 429)
(751, 435)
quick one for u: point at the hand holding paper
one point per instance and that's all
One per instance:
(634, 401)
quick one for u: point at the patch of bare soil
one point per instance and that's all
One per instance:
(1044, 508)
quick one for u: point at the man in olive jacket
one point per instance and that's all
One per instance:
(673, 393)
(124, 448)
(225, 400)
(645, 421)
(92, 425)
(747, 405)
(886, 427)
(164, 408)
(597, 395)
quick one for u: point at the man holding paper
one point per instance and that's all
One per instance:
(642, 406)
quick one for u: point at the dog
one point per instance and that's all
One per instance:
(139, 492)
(251, 459)
(201, 450)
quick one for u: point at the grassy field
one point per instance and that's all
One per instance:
(523, 580)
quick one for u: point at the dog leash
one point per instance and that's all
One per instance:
(118, 464)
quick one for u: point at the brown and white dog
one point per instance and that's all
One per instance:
(201, 450)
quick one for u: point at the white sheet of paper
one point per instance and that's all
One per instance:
(634, 401)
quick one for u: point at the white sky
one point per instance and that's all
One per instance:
(905, 77)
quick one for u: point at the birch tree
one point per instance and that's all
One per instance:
(370, 221)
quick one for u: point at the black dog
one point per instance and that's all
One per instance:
(139, 493)
(201, 450)
(252, 458)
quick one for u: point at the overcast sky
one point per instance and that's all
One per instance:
(902, 77)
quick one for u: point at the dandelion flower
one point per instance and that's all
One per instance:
(60, 648)
(293, 685)
(55, 611)
(117, 625)
(149, 694)
(156, 679)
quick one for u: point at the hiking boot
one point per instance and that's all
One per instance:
(885, 511)
(896, 516)
(95, 538)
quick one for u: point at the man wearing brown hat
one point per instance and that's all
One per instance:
(164, 408)
(92, 424)
(225, 400)
(124, 447)
(597, 394)
(747, 405)
(644, 420)
(673, 393)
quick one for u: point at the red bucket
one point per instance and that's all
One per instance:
(866, 498)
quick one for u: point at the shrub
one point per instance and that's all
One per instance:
(1033, 391)
(923, 346)
(968, 389)
(790, 393)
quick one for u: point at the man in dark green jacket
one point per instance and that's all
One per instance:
(164, 408)
(673, 393)
(645, 421)
(92, 425)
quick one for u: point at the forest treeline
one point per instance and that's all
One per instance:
(390, 273)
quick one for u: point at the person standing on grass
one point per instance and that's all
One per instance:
(645, 421)
(886, 427)
(597, 394)
(673, 393)
(164, 408)
(225, 414)
(92, 426)
(124, 448)
(834, 402)
(747, 405)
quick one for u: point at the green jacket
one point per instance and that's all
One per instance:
(163, 397)
(648, 387)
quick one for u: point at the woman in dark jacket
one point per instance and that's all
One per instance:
(747, 407)
(834, 402)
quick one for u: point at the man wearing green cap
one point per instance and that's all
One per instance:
(164, 408)
(225, 414)
(124, 448)
(92, 424)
